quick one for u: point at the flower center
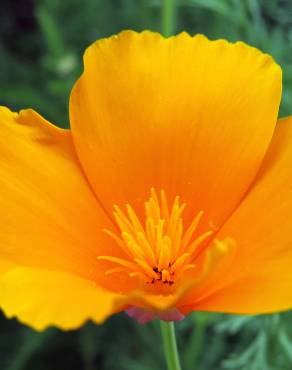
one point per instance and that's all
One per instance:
(159, 251)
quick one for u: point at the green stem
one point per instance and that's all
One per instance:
(168, 17)
(169, 344)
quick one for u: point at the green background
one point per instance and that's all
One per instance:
(41, 47)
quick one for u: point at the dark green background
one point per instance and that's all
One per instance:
(41, 47)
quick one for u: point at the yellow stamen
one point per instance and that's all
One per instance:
(190, 231)
(159, 235)
(158, 250)
(137, 251)
(176, 246)
(163, 261)
(150, 231)
(146, 268)
(192, 248)
(165, 276)
(119, 261)
(133, 247)
(180, 261)
(118, 240)
(134, 219)
(122, 221)
(164, 206)
(138, 274)
(147, 248)
(115, 270)
(155, 198)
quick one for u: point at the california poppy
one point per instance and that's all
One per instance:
(171, 192)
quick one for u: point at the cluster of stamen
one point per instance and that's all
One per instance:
(160, 251)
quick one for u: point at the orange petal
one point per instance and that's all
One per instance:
(191, 116)
(49, 218)
(260, 277)
(42, 298)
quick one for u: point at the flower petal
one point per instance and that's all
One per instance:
(259, 279)
(191, 116)
(49, 217)
(42, 298)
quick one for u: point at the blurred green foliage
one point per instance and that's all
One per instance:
(41, 45)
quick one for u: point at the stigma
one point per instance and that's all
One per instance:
(158, 251)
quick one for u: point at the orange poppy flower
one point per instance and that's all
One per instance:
(171, 192)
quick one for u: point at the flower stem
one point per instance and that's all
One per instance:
(169, 344)
(168, 17)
